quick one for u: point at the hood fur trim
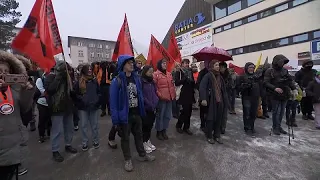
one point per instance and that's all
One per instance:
(26, 62)
(16, 66)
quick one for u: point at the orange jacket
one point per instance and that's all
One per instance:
(165, 87)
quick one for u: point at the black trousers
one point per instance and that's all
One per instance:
(291, 110)
(134, 126)
(184, 118)
(306, 105)
(203, 115)
(250, 108)
(105, 97)
(147, 124)
(8, 172)
(264, 103)
(215, 124)
(44, 123)
(76, 118)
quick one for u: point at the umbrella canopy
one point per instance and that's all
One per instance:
(210, 53)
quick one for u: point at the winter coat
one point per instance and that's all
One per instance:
(185, 78)
(313, 90)
(248, 84)
(119, 100)
(304, 76)
(164, 84)
(12, 132)
(278, 77)
(202, 73)
(90, 99)
(207, 93)
(149, 95)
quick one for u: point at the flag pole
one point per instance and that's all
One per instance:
(68, 75)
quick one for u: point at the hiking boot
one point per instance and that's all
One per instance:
(33, 126)
(164, 134)
(253, 133)
(85, 147)
(147, 157)
(188, 132)
(22, 170)
(128, 165)
(310, 117)
(179, 130)
(153, 147)
(96, 145)
(282, 131)
(210, 140)
(160, 135)
(112, 144)
(276, 131)
(147, 148)
(219, 141)
(57, 156)
(70, 149)
(305, 117)
(262, 117)
(223, 131)
(266, 115)
(42, 139)
(76, 128)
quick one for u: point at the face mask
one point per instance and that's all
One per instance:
(309, 67)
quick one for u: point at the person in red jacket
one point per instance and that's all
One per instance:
(166, 93)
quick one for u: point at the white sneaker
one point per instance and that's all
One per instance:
(151, 145)
(147, 148)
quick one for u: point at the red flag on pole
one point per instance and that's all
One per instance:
(158, 52)
(173, 48)
(124, 43)
(39, 39)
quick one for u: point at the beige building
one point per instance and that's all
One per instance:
(247, 28)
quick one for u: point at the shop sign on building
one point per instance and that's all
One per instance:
(195, 40)
(196, 20)
(315, 50)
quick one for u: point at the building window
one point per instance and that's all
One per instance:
(80, 44)
(253, 48)
(99, 55)
(220, 10)
(226, 27)
(230, 52)
(282, 7)
(91, 45)
(299, 38)
(80, 53)
(298, 2)
(107, 47)
(234, 6)
(217, 30)
(237, 23)
(92, 54)
(282, 42)
(100, 46)
(252, 18)
(107, 55)
(252, 2)
(239, 51)
(266, 13)
(316, 34)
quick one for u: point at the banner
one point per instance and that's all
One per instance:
(39, 39)
(158, 52)
(173, 48)
(124, 43)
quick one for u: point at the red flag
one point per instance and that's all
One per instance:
(173, 48)
(124, 43)
(237, 69)
(158, 52)
(39, 39)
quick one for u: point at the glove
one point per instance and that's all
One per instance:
(295, 93)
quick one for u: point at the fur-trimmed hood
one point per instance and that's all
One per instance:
(16, 66)
(26, 62)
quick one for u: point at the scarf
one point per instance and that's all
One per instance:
(83, 83)
(216, 83)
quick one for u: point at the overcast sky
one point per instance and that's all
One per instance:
(102, 19)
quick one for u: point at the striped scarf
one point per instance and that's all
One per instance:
(216, 83)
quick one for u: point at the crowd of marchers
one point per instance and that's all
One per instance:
(139, 97)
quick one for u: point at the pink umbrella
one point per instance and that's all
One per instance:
(210, 53)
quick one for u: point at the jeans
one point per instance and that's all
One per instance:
(184, 118)
(264, 103)
(60, 121)
(164, 115)
(105, 97)
(278, 108)
(250, 107)
(134, 126)
(291, 109)
(90, 116)
(147, 124)
(76, 118)
(306, 105)
(232, 99)
(44, 123)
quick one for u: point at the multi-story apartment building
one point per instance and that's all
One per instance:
(86, 50)
(247, 28)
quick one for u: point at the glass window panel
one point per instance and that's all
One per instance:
(238, 23)
(239, 51)
(226, 27)
(298, 2)
(266, 13)
(234, 6)
(252, 2)
(282, 7)
(283, 41)
(253, 48)
(316, 34)
(252, 18)
(220, 10)
(217, 30)
(299, 38)
(230, 52)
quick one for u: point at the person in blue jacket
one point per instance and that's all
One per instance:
(127, 108)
